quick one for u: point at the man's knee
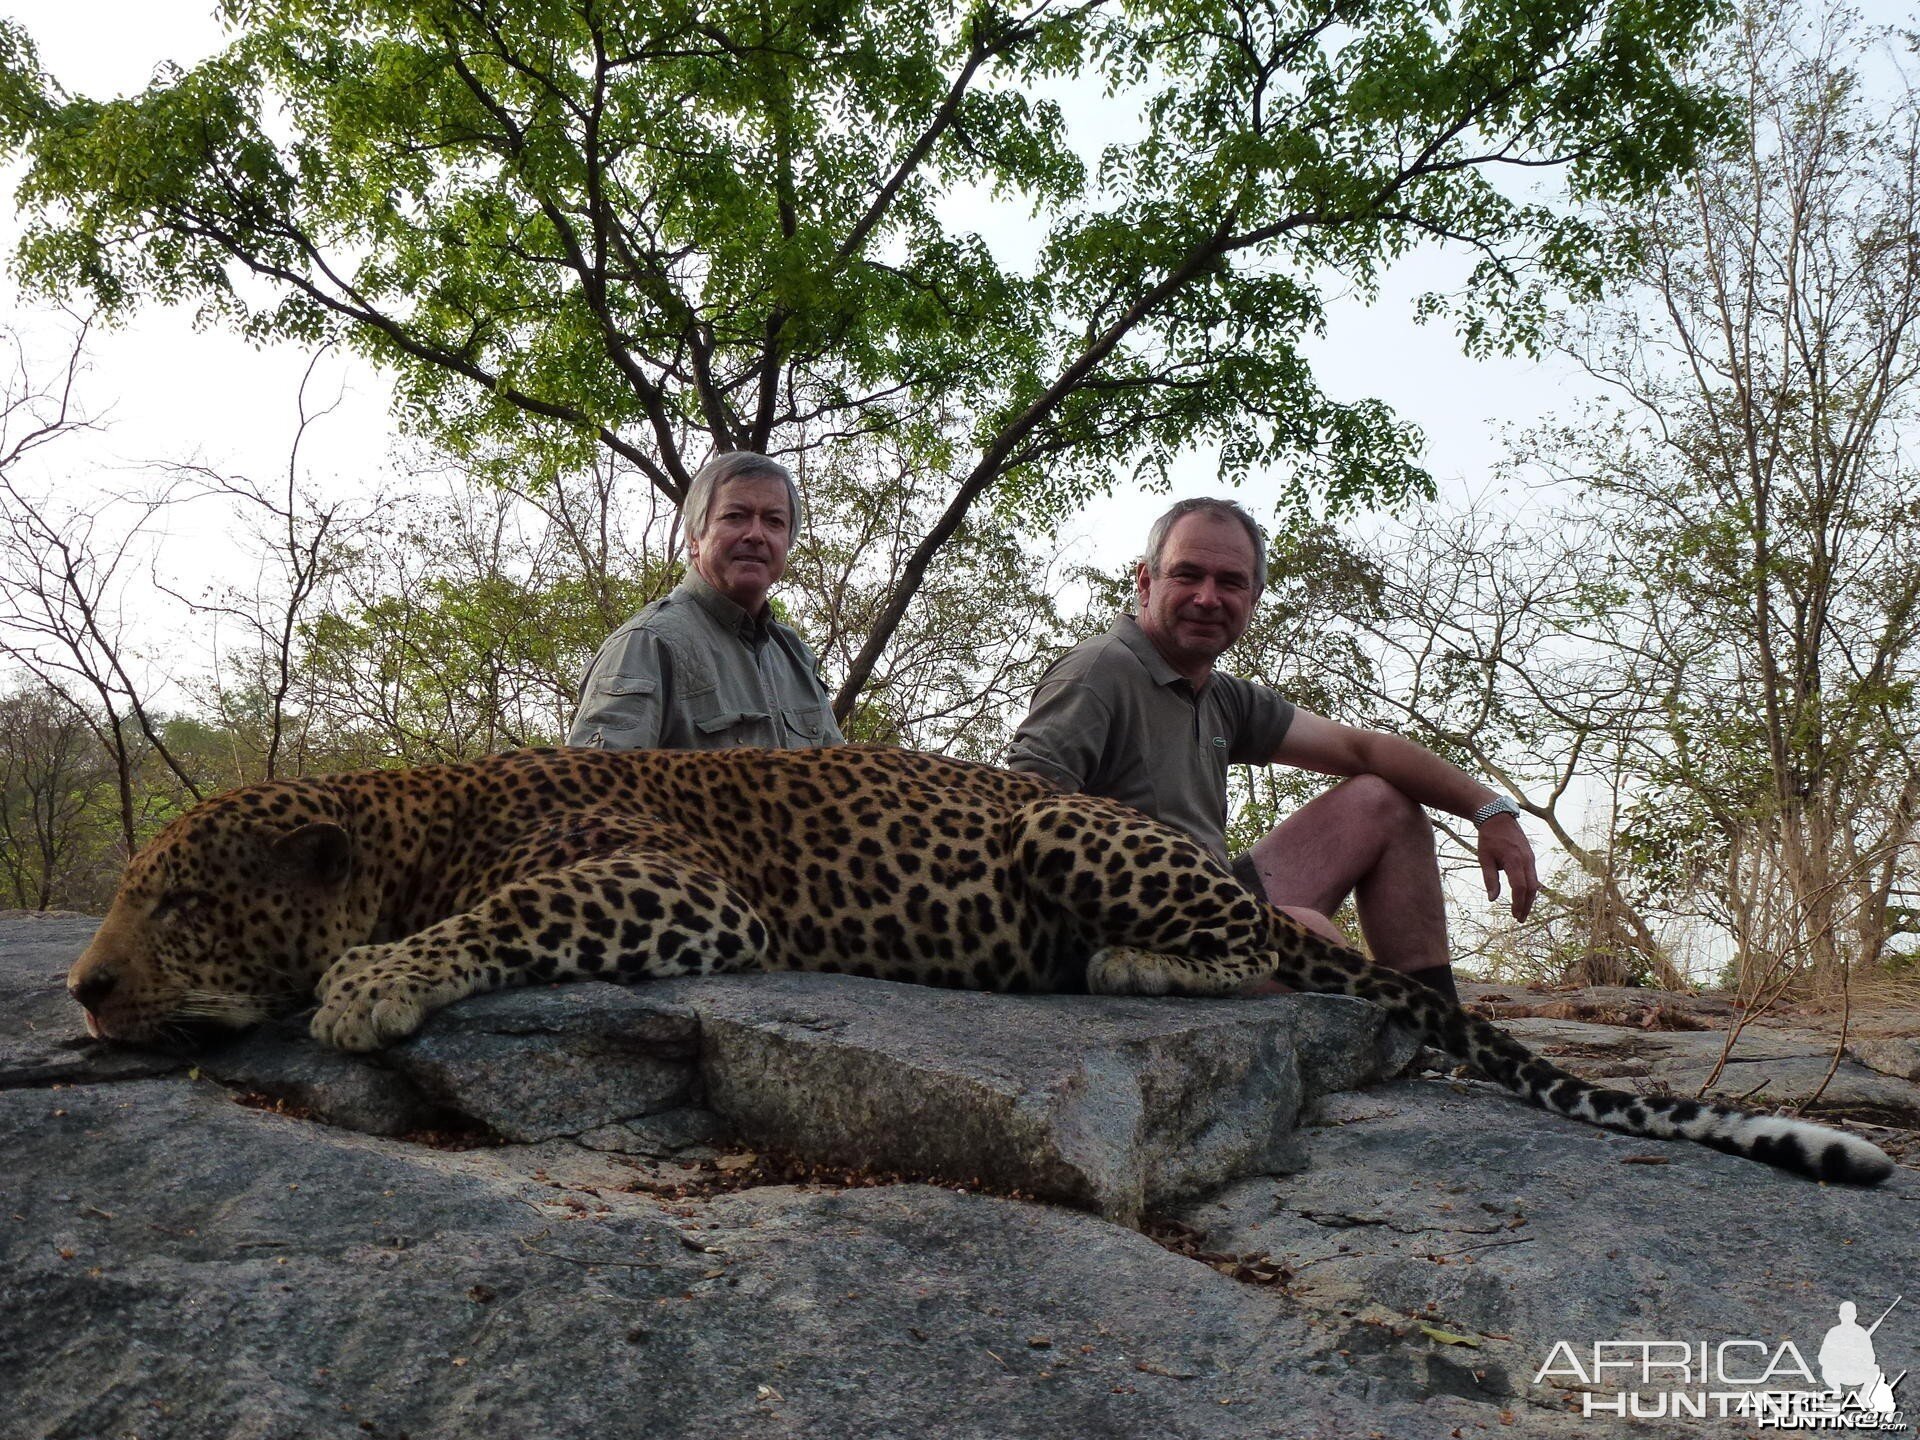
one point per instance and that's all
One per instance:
(1381, 803)
(1358, 805)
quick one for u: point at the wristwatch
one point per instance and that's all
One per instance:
(1500, 805)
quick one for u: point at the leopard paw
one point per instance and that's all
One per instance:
(369, 999)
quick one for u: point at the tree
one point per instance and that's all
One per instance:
(1750, 507)
(302, 544)
(1490, 642)
(61, 585)
(666, 228)
(57, 789)
(976, 636)
(463, 625)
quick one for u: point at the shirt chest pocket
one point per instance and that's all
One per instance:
(805, 723)
(619, 712)
(718, 723)
(624, 687)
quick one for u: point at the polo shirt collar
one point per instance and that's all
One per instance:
(1126, 629)
(728, 614)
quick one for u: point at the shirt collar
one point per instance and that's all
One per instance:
(731, 617)
(1126, 629)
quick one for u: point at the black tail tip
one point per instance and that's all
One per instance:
(1805, 1149)
(1847, 1161)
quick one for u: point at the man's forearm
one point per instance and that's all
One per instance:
(1423, 776)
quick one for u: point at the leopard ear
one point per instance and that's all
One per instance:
(319, 852)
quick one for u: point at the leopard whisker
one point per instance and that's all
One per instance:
(227, 1008)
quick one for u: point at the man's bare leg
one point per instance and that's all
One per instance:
(1365, 839)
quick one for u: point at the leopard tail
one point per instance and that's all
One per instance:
(1797, 1145)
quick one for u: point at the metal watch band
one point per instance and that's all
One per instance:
(1498, 806)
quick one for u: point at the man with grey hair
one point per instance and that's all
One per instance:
(1140, 715)
(709, 666)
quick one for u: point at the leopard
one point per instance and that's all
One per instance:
(378, 897)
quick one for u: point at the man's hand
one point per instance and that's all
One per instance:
(1504, 847)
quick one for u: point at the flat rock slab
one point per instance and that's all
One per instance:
(1626, 1023)
(1116, 1104)
(181, 1268)
(560, 1060)
(1483, 1219)
(1627, 1005)
(44, 1041)
(1895, 1055)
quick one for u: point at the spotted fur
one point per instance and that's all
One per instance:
(385, 895)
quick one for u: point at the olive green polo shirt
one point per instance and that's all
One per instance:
(694, 671)
(1112, 717)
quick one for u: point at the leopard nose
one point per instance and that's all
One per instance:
(93, 988)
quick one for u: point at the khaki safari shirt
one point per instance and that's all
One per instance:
(1113, 718)
(696, 672)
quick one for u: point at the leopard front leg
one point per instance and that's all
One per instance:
(631, 916)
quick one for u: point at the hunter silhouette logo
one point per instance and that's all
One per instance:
(1768, 1383)
(1848, 1366)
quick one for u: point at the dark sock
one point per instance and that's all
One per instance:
(1437, 978)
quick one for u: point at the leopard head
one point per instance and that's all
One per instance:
(227, 918)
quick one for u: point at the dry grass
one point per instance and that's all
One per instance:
(1817, 994)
